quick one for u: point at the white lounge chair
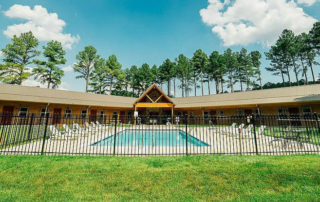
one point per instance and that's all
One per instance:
(69, 130)
(82, 131)
(97, 127)
(230, 129)
(90, 128)
(235, 130)
(57, 135)
(103, 126)
(250, 134)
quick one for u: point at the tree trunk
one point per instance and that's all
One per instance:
(169, 88)
(111, 83)
(222, 86)
(260, 81)
(288, 73)
(305, 70)
(241, 86)
(195, 84)
(282, 75)
(217, 86)
(311, 67)
(174, 86)
(231, 82)
(87, 81)
(209, 87)
(202, 83)
(295, 71)
(182, 88)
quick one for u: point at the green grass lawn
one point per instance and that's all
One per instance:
(201, 178)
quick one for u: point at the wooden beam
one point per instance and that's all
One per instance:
(159, 98)
(150, 98)
(154, 105)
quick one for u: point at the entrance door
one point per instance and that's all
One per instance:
(93, 116)
(122, 116)
(213, 117)
(56, 116)
(294, 116)
(7, 115)
(248, 112)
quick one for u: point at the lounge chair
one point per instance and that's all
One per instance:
(69, 130)
(229, 129)
(90, 128)
(235, 130)
(82, 131)
(99, 124)
(97, 127)
(250, 134)
(57, 135)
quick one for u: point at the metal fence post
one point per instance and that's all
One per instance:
(186, 120)
(254, 133)
(30, 126)
(115, 136)
(45, 133)
(317, 120)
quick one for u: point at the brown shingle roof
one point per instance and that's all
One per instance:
(42, 95)
(269, 96)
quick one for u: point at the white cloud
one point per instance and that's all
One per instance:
(242, 22)
(34, 83)
(1, 54)
(45, 26)
(307, 2)
(68, 69)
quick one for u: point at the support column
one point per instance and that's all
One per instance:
(172, 115)
(135, 109)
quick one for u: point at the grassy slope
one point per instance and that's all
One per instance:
(258, 178)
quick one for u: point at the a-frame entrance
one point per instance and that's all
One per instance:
(154, 102)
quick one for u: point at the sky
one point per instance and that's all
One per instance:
(144, 31)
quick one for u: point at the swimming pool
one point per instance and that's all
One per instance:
(148, 138)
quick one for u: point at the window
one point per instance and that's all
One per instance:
(282, 111)
(239, 112)
(129, 114)
(83, 113)
(179, 113)
(43, 112)
(206, 114)
(101, 115)
(306, 110)
(23, 111)
(115, 115)
(221, 113)
(68, 113)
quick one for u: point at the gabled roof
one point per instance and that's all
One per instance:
(42, 95)
(150, 89)
(294, 94)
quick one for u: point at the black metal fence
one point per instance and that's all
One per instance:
(53, 134)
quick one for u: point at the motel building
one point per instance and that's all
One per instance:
(23, 100)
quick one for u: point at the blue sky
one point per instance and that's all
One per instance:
(144, 31)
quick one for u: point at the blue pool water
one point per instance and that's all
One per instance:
(156, 138)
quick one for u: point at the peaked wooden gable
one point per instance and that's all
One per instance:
(154, 97)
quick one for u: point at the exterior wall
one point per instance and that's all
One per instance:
(76, 110)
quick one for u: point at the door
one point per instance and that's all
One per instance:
(213, 117)
(7, 115)
(122, 116)
(294, 116)
(93, 116)
(248, 112)
(56, 116)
